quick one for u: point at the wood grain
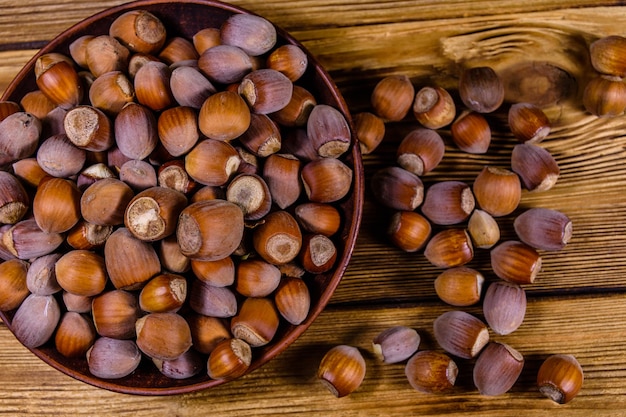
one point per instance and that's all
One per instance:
(288, 385)
(577, 304)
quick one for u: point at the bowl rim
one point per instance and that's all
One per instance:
(348, 238)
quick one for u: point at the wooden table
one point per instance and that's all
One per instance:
(577, 304)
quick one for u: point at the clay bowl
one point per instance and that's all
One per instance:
(184, 18)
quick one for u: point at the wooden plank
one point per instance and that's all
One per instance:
(42, 20)
(287, 385)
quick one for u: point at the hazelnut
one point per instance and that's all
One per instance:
(329, 131)
(111, 358)
(481, 89)
(35, 320)
(369, 130)
(206, 38)
(56, 205)
(187, 365)
(471, 132)
(448, 202)
(396, 344)
(89, 128)
(560, 378)
(318, 218)
(318, 253)
(289, 59)
(210, 300)
(263, 137)
(114, 314)
(19, 136)
(225, 64)
(104, 202)
(483, 229)
(178, 130)
(212, 162)
(224, 116)
(297, 111)
(409, 230)
(110, 92)
(25, 240)
(434, 107)
(59, 81)
(7, 108)
(172, 174)
(85, 235)
(207, 332)
(420, 151)
(164, 336)
(497, 369)
(528, 122)
(605, 97)
(219, 273)
(130, 262)
(77, 303)
(256, 322)
(14, 201)
(36, 103)
(81, 272)
(41, 276)
(515, 262)
(536, 167)
(607, 55)
(256, 278)
(342, 370)
(139, 175)
(326, 180)
(282, 175)
(190, 87)
(460, 286)
(140, 31)
(431, 372)
(504, 307)
(230, 359)
(253, 34)
(210, 230)
(172, 258)
(543, 228)
(278, 239)
(497, 191)
(59, 157)
(449, 248)
(178, 50)
(13, 283)
(460, 333)
(293, 299)
(397, 188)
(152, 86)
(136, 131)
(392, 97)
(153, 213)
(29, 171)
(165, 293)
(104, 54)
(266, 90)
(75, 335)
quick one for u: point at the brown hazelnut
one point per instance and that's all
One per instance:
(392, 97)
(434, 107)
(481, 89)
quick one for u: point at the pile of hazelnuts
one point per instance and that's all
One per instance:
(166, 199)
(449, 220)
